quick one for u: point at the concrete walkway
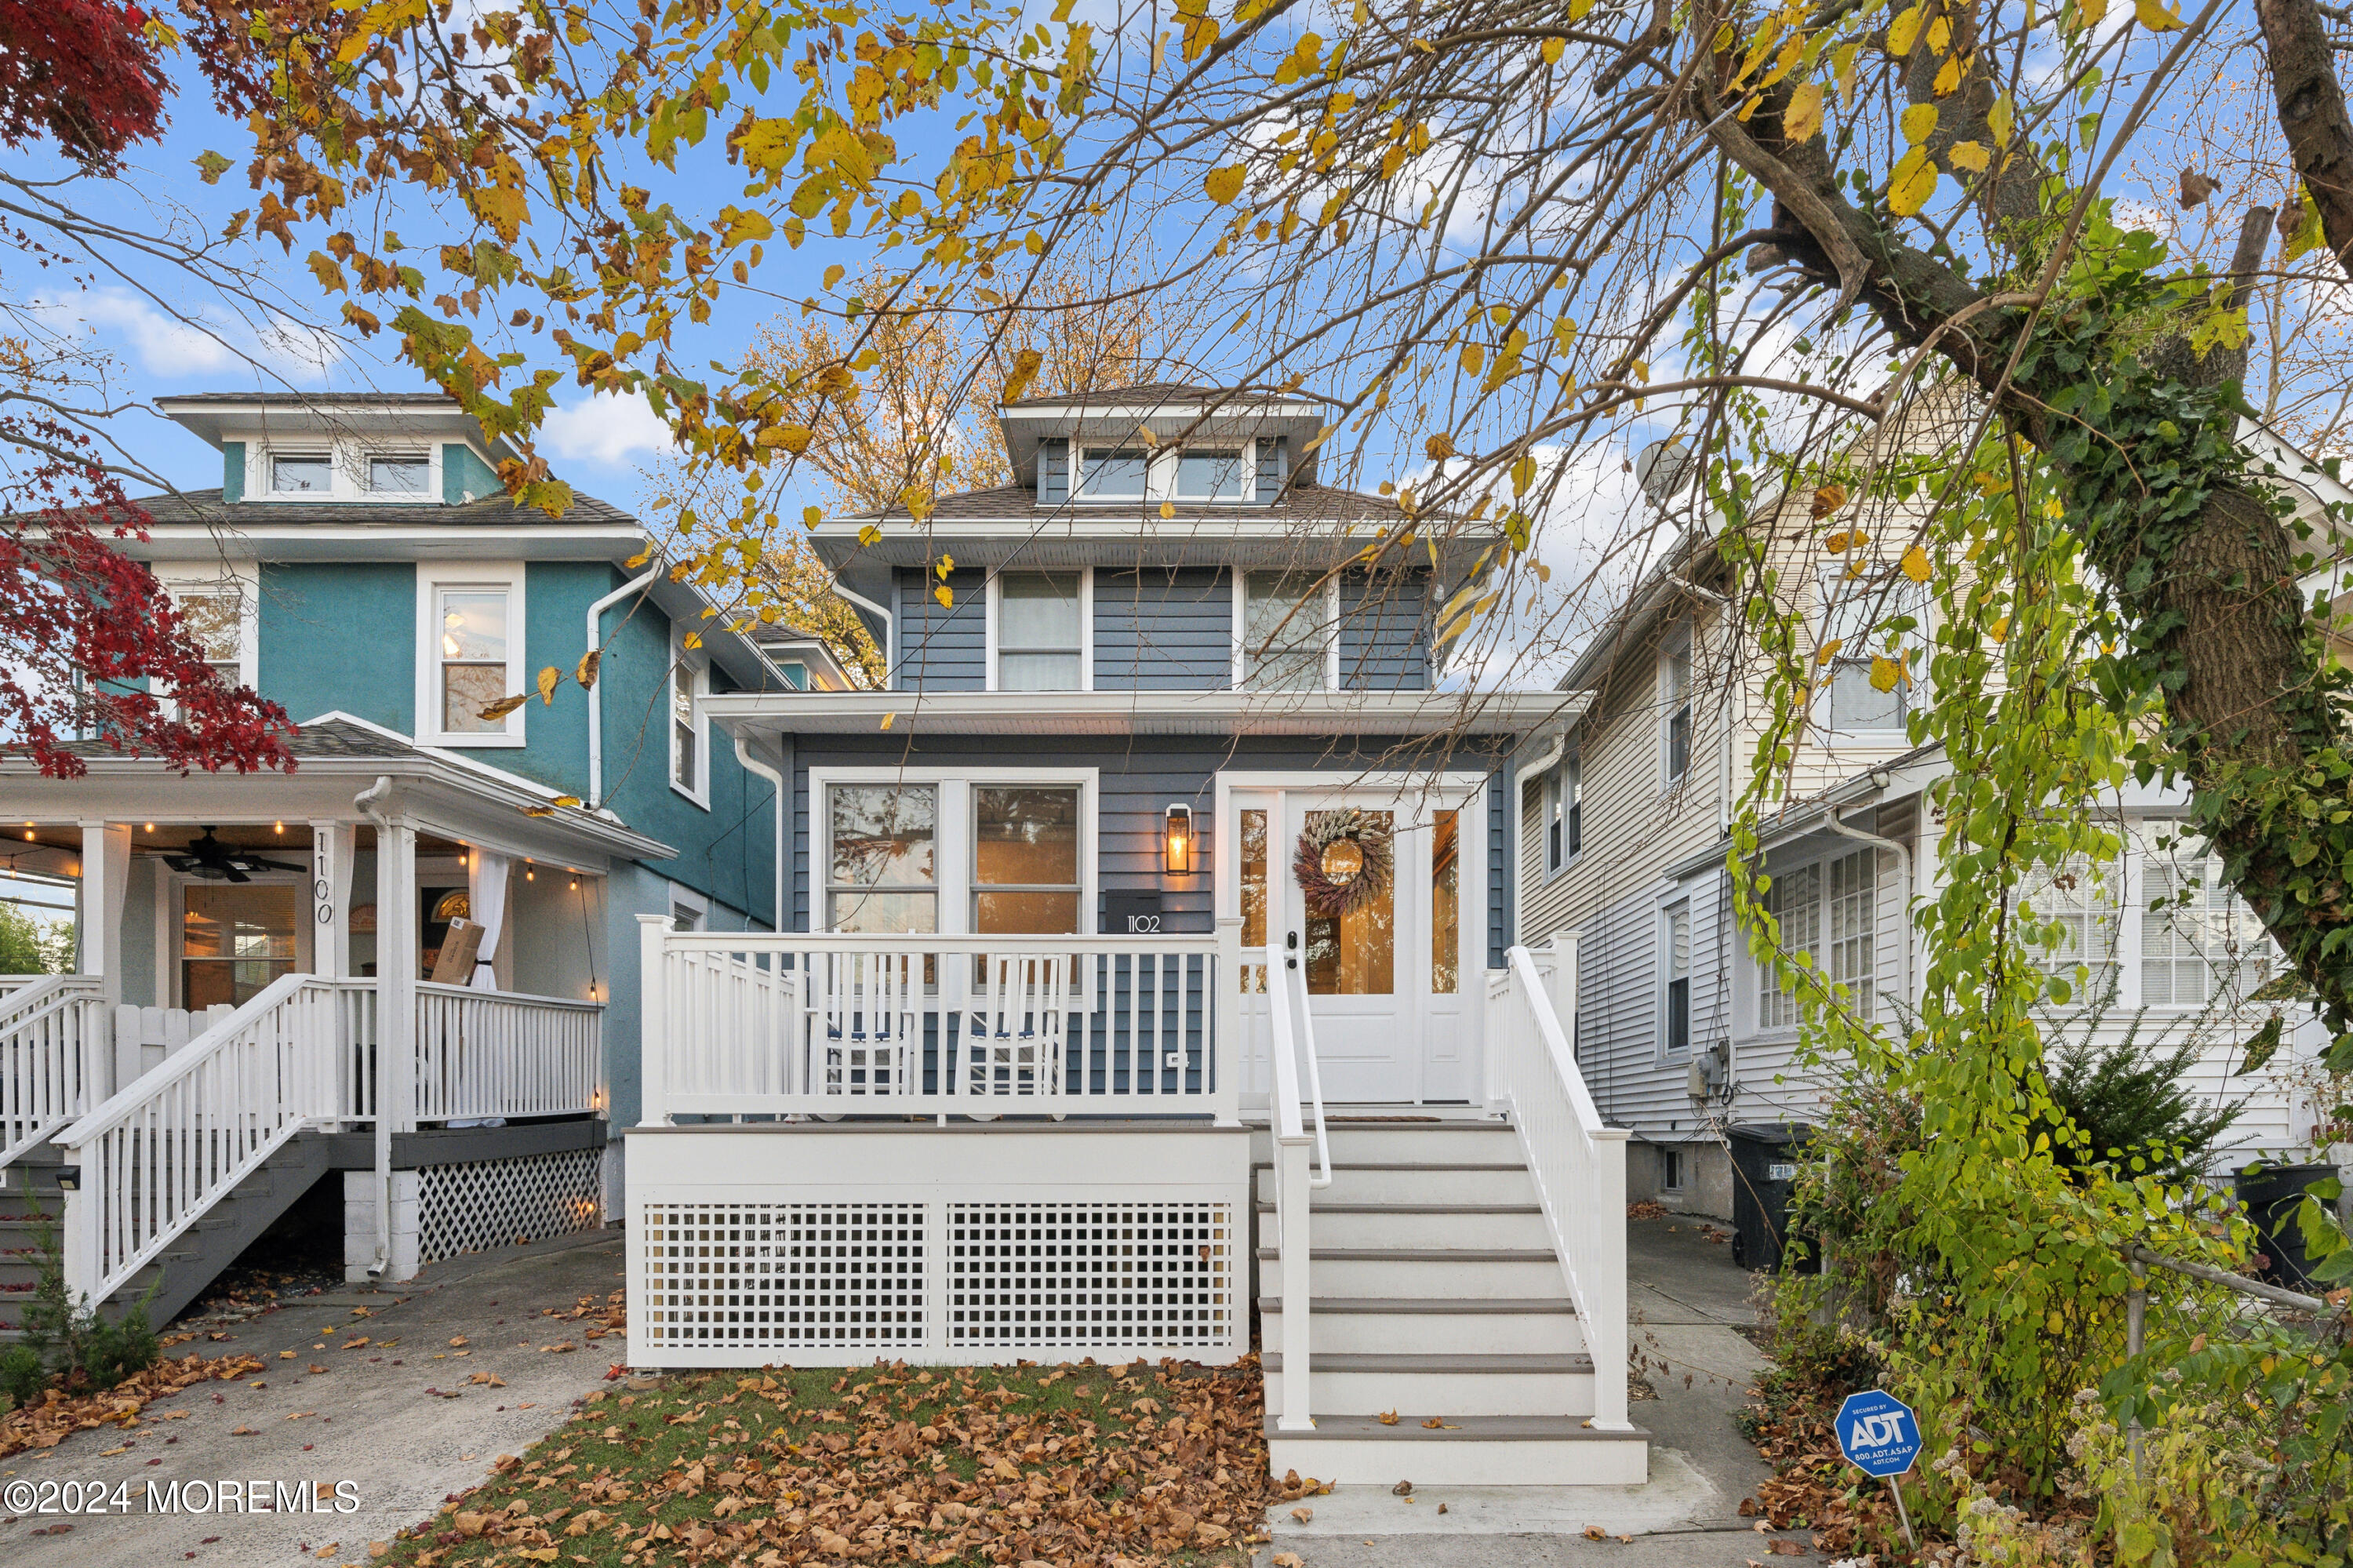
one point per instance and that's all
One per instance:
(1688, 1305)
(397, 1418)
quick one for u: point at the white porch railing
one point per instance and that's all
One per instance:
(159, 1154)
(758, 1023)
(56, 1056)
(1292, 1034)
(496, 1054)
(1578, 1164)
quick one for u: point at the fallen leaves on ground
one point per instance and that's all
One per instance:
(1644, 1209)
(1129, 1465)
(59, 1415)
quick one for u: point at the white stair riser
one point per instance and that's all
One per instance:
(1473, 1143)
(1416, 1187)
(1428, 1463)
(1389, 1227)
(1539, 1278)
(1437, 1333)
(1415, 1395)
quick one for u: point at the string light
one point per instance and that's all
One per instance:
(280, 827)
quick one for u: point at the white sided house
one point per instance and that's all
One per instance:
(1624, 813)
(1147, 970)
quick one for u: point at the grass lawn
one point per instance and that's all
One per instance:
(1081, 1463)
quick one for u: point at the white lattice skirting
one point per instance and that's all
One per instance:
(832, 1245)
(491, 1203)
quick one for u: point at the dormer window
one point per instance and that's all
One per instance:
(1209, 475)
(302, 474)
(401, 473)
(1113, 474)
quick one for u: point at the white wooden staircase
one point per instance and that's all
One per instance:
(1454, 1291)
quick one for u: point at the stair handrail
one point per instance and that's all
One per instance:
(1293, 1185)
(1302, 1018)
(1577, 1164)
(221, 1106)
(37, 1098)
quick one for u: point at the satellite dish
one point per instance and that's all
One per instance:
(1662, 468)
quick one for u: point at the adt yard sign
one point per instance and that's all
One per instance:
(1878, 1434)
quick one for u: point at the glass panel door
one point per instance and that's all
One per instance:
(234, 941)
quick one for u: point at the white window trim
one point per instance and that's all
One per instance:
(1240, 575)
(432, 577)
(952, 846)
(172, 917)
(347, 458)
(698, 668)
(1555, 789)
(187, 580)
(1662, 937)
(1679, 642)
(995, 595)
(685, 900)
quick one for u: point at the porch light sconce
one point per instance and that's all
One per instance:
(69, 1178)
(1180, 840)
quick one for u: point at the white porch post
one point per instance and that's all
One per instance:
(332, 847)
(1606, 1335)
(653, 1021)
(105, 884)
(396, 959)
(1225, 1024)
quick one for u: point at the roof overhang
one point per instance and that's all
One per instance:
(430, 787)
(300, 542)
(218, 417)
(1123, 537)
(1117, 419)
(1339, 713)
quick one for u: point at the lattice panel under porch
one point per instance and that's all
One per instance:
(491, 1203)
(1037, 1275)
(781, 1276)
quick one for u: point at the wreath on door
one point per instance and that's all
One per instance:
(1344, 862)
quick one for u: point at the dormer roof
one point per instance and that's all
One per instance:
(1172, 410)
(222, 416)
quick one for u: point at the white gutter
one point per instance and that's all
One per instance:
(890, 627)
(596, 698)
(752, 764)
(367, 801)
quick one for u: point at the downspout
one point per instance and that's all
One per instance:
(890, 627)
(596, 698)
(754, 764)
(1904, 876)
(367, 801)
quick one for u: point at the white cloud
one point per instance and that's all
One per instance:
(171, 348)
(607, 429)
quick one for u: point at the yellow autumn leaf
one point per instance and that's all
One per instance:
(493, 712)
(1524, 474)
(1475, 355)
(1948, 77)
(1916, 564)
(1969, 155)
(1886, 674)
(565, 801)
(1167, 509)
(2157, 17)
(1223, 185)
(794, 439)
(1802, 121)
(1025, 371)
(548, 678)
(2000, 119)
(833, 275)
(587, 672)
(945, 596)
(1917, 122)
(1913, 183)
(1829, 650)
(1840, 543)
(2000, 629)
(1842, 67)
(1552, 48)
(2088, 13)
(889, 719)
(1904, 31)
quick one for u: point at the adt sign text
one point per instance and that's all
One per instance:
(1878, 1433)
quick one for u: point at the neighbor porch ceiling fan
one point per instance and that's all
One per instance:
(214, 861)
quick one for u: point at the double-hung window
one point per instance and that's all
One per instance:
(2200, 942)
(218, 617)
(690, 732)
(882, 869)
(991, 852)
(1675, 703)
(1855, 606)
(473, 652)
(470, 652)
(1674, 984)
(1564, 814)
(1041, 632)
(1025, 859)
(2083, 902)
(1286, 632)
(1828, 912)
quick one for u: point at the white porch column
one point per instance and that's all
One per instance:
(105, 884)
(396, 959)
(333, 846)
(1225, 1024)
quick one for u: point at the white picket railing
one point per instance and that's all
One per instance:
(56, 1051)
(1578, 1164)
(1291, 1032)
(159, 1152)
(759, 1023)
(484, 1053)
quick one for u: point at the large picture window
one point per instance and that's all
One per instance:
(988, 852)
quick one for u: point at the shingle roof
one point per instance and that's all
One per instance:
(206, 507)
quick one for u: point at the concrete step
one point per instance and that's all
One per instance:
(1423, 1272)
(1491, 1450)
(1404, 1182)
(1449, 1386)
(1454, 1325)
(1424, 1226)
(1440, 1142)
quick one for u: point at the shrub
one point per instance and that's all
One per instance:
(22, 1375)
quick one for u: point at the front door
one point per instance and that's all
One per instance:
(1370, 886)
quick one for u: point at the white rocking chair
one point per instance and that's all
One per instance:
(866, 1032)
(1014, 1031)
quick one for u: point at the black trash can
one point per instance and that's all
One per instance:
(1764, 1173)
(2271, 1194)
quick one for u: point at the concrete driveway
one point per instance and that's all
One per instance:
(1688, 1303)
(456, 1369)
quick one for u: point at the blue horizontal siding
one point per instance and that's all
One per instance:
(1164, 628)
(943, 648)
(1384, 633)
